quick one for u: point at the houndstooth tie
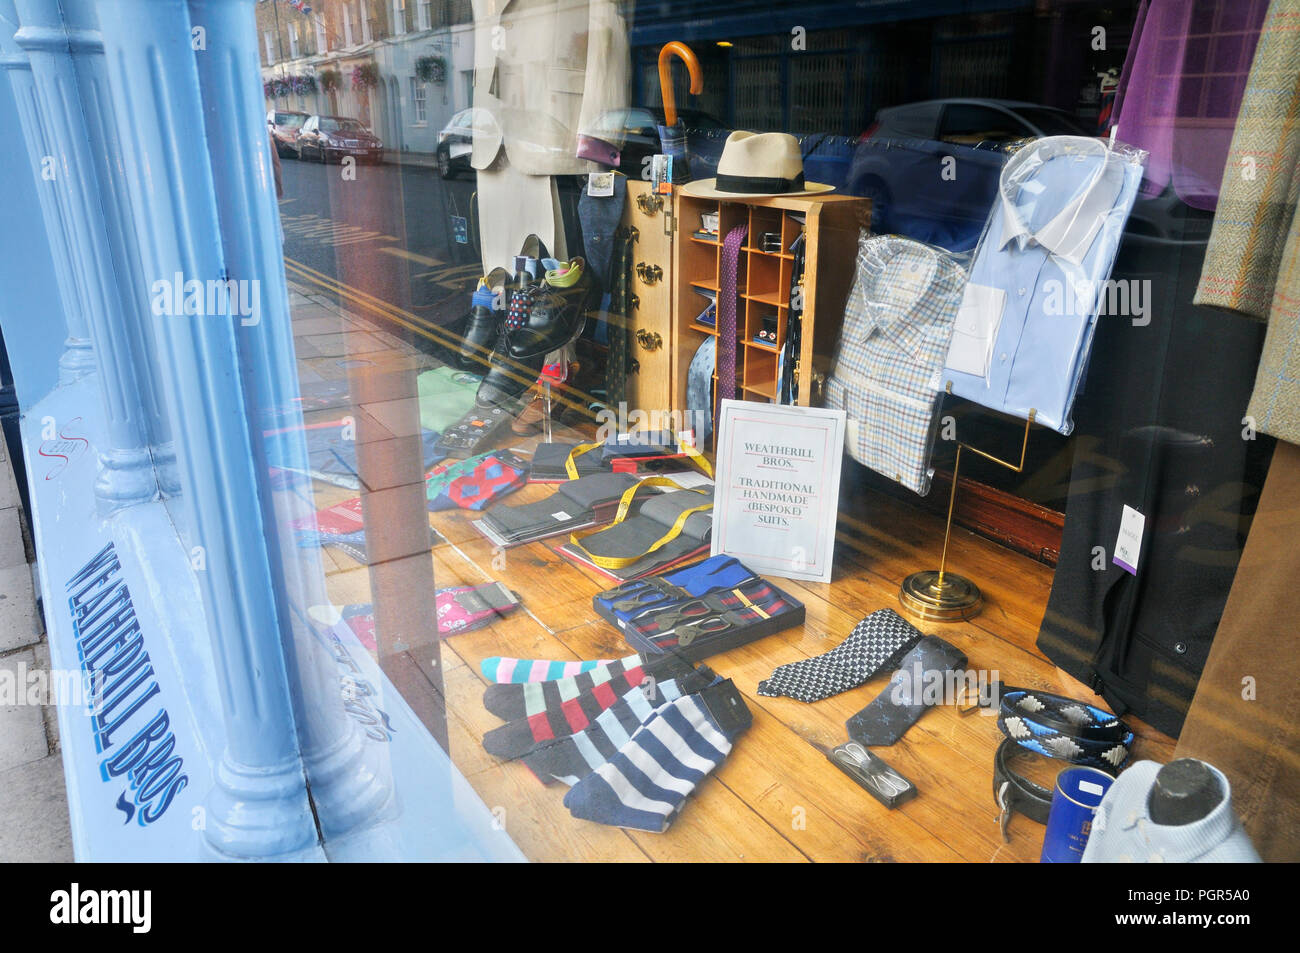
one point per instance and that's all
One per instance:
(875, 645)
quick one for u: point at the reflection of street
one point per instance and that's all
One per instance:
(389, 232)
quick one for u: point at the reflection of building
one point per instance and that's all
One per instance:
(400, 66)
(837, 64)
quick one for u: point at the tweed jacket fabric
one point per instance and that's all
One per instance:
(1253, 262)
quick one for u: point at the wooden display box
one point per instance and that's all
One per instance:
(832, 223)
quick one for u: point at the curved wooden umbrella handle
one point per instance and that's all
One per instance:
(666, 79)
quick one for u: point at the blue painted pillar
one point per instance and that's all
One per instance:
(61, 89)
(350, 783)
(259, 806)
(78, 358)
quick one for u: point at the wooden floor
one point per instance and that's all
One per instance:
(776, 798)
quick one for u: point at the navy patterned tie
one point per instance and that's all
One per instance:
(727, 303)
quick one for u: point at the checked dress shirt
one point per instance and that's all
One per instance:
(897, 322)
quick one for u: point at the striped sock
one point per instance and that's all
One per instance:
(574, 756)
(509, 702)
(516, 738)
(516, 670)
(646, 783)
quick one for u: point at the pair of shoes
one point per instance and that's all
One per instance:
(541, 318)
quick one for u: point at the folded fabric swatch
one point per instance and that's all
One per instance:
(516, 738)
(510, 702)
(574, 756)
(504, 669)
(463, 608)
(875, 645)
(909, 693)
(646, 783)
(491, 478)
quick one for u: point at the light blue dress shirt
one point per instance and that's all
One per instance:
(1025, 327)
(1123, 832)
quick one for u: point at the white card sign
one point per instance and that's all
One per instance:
(777, 491)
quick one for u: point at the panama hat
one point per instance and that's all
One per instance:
(757, 163)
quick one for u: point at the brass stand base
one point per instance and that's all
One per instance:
(940, 598)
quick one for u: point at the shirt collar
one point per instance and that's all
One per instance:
(1070, 233)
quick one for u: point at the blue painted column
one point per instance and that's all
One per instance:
(78, 357)
(126, 473)
(350, 783)
(259, 806)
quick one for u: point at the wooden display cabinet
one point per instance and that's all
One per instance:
(832, 223)
(649, 319)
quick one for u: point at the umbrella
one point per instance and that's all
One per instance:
(672, 135)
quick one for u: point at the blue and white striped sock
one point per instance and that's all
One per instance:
(646, 783)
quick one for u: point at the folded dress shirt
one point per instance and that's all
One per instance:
(1039, 277)
(897, 324)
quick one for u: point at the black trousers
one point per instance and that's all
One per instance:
(1159, 428)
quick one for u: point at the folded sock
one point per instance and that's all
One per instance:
(646, 783)
(509, 702)
(516, 671)
(574, 756)
(516, 738)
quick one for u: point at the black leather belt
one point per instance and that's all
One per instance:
(1014, 792)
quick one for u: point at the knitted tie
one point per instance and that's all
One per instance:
(727, 302)
(876, 644)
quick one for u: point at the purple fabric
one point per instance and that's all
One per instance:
(1181, 89)
(727, 304)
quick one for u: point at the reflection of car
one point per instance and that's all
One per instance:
(456, 140)
(284, 128)
(931, 168)
(636, 129)
(332, 137)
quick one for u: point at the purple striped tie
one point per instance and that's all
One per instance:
(727, 303)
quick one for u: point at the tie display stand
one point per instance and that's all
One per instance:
(830, 224)
(940, 595)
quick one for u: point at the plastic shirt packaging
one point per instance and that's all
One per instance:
(886, 375)
(1040, 277)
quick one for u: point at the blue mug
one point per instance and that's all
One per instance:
(1074, 804)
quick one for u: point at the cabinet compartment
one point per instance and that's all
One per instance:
(831, 223)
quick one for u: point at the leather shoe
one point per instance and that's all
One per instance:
(484, 322)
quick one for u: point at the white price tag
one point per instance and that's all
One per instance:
(560, 515)
(600, 184)
(1128, 547)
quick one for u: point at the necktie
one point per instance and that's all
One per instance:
(875, 645)
(699, 390)
(727, 302)
(918, 684)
